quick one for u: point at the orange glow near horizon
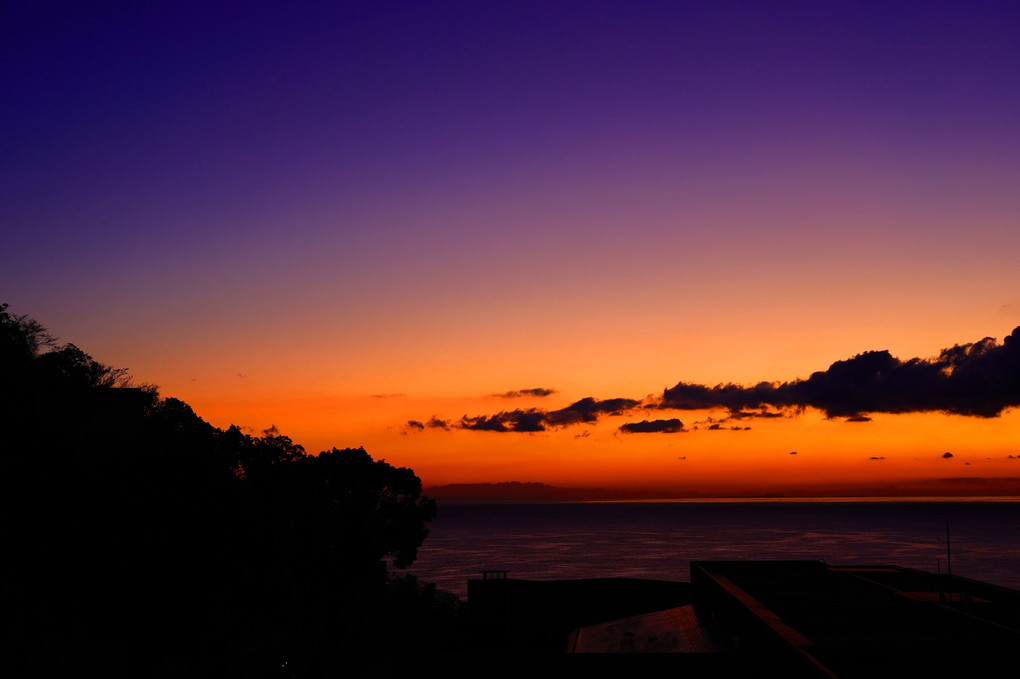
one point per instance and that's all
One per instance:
(891, 454)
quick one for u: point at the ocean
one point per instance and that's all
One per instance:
(658, 540)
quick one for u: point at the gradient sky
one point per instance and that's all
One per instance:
(343, 218)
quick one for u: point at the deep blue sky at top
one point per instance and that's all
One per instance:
(153, 148)
(254, 103)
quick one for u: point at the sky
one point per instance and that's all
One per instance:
(524, 241)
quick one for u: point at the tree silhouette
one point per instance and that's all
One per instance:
(145, 539)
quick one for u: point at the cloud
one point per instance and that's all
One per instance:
(673, 426)
(532, 420)
(876, 458)
(979, 379)
(539, 392)
(433, 423)
(436, 423)
(719, 427)
(587, 410)
(764, 413)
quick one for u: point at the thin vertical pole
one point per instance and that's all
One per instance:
(949, 551)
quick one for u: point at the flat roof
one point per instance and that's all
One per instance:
(851, 620)
(674, 630)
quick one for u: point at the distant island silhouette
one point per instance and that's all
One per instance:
(516, 491)
(532, 491)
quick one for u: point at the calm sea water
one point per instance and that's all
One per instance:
(657, 540)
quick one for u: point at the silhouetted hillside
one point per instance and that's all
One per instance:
(143, 540)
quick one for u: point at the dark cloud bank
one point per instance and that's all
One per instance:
(980, 379)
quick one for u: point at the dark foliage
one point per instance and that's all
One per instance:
(144, 540)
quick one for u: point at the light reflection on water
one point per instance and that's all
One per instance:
(658, 540)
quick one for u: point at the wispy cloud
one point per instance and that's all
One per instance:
(539, 392)
(764, 412)
(720, 427)
(432, 423)
(436, 423)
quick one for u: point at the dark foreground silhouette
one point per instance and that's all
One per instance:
(141, 539)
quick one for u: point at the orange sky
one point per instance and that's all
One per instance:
(830, 453)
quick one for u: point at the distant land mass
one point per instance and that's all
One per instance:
(520, 491)
(516, 491)
(528, 491)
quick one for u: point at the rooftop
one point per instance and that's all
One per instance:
(808, 618)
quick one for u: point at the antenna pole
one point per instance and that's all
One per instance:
(949, 551)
